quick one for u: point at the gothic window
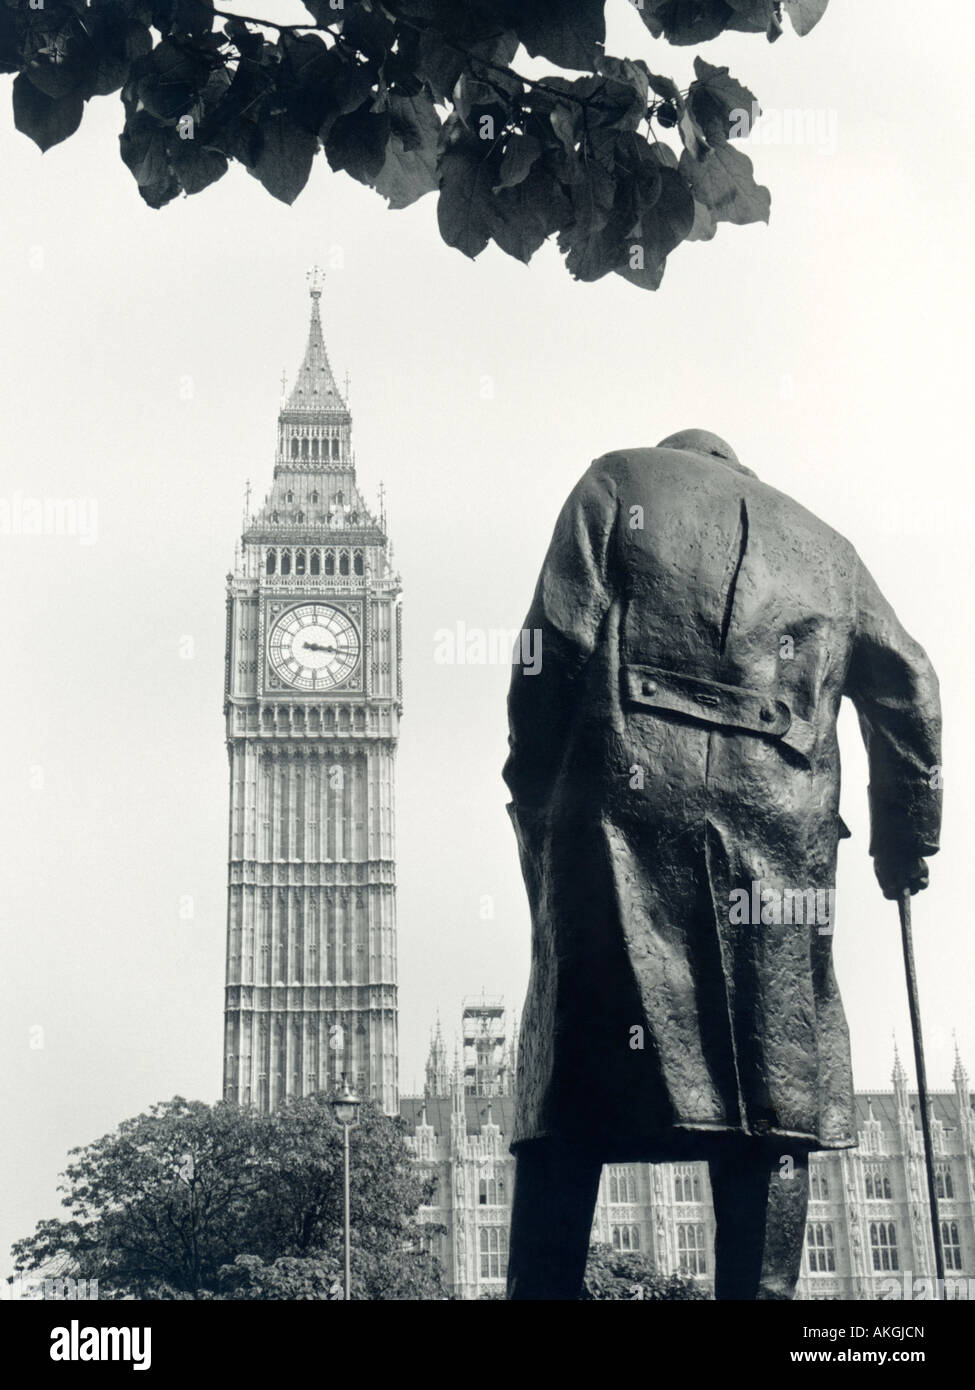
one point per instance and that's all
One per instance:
(943, 1185)
(691, 1252)
(286, 562)
(271, 562)
(304, 448)
(490, 1193)
(876, 1182)
(687, 1185)
(357, 561)
(299, 560)
(818, 1187)
(294, 448)
(339, 498)
(951, 1244)
(274, 516)
(820, 1252)
(314, 497)
(883, 1245)
(622, 1187)
(343, 562)
(314, 448)
(315, 563)
(289, 497)
(330, 562)
(626, 1237)
(493, 1245)
(300, 517)
(335, 448)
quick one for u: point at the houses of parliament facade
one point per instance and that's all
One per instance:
(312, 702)
(868, 1232)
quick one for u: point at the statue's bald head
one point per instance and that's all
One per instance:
(700, 442)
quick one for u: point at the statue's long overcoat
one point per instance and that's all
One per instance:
(675, 772)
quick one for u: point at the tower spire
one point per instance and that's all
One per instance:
(315, 390)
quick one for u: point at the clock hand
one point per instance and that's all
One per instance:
(317, 647)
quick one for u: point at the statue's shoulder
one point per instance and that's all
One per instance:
(620, 465)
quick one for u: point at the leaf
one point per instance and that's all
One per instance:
(520, 154)
(195, 166)
(357, 143)
(662, 228)
(752, 16)
(723, 107)
(567, 32)
(684, 22)
(590, 253)
(805, 14)
(47, 120)
(723, 181)
(634, 79)
(369, 29)
(169, 79)
(528, 213)
(10, 40)
(465, 210)
(410, 168)
(665, 87)
(352, 85)
(58, 59)
(439, 64)
(284, 159)
(308, 71)
(692, 136)
(143, 147)
(118, 42)
(563, 120)
(704, 225)
(193, 17)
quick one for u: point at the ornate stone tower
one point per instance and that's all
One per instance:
(312, 701)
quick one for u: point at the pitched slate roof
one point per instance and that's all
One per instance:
(475, 1107)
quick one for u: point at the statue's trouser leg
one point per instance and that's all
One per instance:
(760, 1210)
(551, 1218)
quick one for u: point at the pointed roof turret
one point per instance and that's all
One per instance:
(959, 1075)
(898, 1075)
(315, 391)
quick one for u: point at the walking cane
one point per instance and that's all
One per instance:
(904, 904)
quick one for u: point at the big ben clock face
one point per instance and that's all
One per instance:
(314, 647)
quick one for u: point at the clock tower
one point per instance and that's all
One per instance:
(312, 701)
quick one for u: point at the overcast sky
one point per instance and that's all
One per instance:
(140, 375)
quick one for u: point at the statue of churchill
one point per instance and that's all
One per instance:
(675, 755)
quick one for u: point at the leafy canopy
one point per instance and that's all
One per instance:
(624, 1276)
(199, 1201)
(416, 96)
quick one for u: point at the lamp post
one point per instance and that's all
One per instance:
(345, 1105)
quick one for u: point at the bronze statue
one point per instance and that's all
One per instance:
(675, 779)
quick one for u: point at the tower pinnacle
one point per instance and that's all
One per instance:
(315, 391)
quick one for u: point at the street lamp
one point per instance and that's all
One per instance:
(345, 1105)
